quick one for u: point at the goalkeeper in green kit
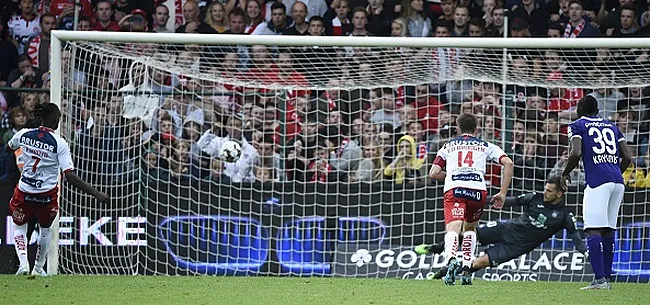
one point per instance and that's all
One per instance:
(544, 215)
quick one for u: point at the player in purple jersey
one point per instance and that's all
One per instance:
(605, 156)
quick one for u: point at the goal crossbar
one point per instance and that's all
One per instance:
(412, 42)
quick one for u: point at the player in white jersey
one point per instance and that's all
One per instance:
(24, 26)
(465, 158)
(45, 155)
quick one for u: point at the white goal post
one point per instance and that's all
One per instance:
(177, 219)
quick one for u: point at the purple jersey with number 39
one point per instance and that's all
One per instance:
(600, 153)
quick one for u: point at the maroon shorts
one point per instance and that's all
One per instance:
(464, 204)
(44, 206)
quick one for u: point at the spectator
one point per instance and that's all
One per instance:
(300, 25)
(270, 159)
(487, 8)
(161, 19)
(416, 130)
(553, 138)
(519, 28)
(371, 167)
(427, 107)
(316, 26)
(555, 30)
(611, 20)
(448, 9)
(531, 165)
(314, 7)
(84, 24)
(17, 120)
(638, 176)
(461, 17)
(24, 26)
(216, 17)
(607, 98)
(192, 22)
(535, 13)
(379, 18)
(8, 56)
(419, 25)
(496, 29)
(578, 26)
(340, 24)
(319, 169)
(216, 172)
(345, 155)
(296, 161)
(61, 8)
(126, 7)
(136, 21)
(104, 11)
(405, 169)
(577, 175)
(629, 26)
(359, 22)
(237, 21)
(38, 47)
(476, 27)
(399, 28)
(387, 113)
(255, 16)
(489, 130)
(279, 23)
(25, 76)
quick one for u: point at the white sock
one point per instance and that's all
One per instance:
(468, 246)
(451, 245)
(20, 242)
(43, 246)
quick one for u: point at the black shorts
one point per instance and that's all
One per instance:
(504, 246)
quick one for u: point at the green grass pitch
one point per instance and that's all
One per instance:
(122, 290)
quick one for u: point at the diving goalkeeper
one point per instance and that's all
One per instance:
(545, 214)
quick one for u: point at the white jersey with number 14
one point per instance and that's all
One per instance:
(465, 159)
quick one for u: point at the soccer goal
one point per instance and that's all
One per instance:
(319, 119)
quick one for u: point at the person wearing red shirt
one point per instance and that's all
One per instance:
(427, 107)
(104, 17)
(60, 7)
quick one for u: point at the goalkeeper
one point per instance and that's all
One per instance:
(544, 215)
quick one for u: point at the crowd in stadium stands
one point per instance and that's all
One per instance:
(331, 135)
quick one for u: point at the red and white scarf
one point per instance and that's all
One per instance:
(33, 49)
(179, 18)
(318, 175)
(344, 143)
(399, 99)
(331, 104)
(337, 26)
(576, 31)
(421, 151)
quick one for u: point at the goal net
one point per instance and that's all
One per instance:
(317, 190)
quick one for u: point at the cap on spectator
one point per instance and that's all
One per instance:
(519, 24)
(196, 119)
(138, 11)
